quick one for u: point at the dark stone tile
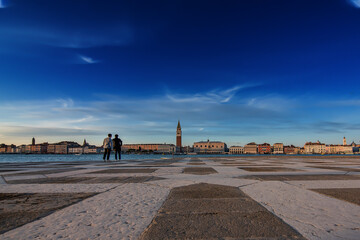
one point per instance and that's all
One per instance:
(45, 172)
(269, 169)
(204, 190)
(199, 170)
(127, 170)
(302, 177)
(237, 217)
(338, 168)
(58, 180)
(18, 209)
(347, 194)
(213, 205)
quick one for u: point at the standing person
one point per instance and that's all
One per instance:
(117, 143)
(107, 145)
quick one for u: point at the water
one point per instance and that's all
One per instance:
(5, 158)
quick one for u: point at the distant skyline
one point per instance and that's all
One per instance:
(232, 71)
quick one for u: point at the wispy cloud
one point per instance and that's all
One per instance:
(88, 60)
(149, 119)
(214, 96)
(355, 3)
(113, 35)
(347, 102)
(2, 4)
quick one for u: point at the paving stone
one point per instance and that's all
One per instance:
(45, 171)
(199, 170)
(348, 194)
(127, 170)
(302, 177)
(204, 190)
(235, 216)
(85, 180)
(269, 169)
(338, 168)
(20, 208)
(213, 205)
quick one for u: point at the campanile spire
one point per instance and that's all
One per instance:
(178, 137)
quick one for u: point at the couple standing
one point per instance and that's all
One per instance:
(109, 144)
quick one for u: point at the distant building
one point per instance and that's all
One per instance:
(33, 141)
(187, 149)
(315, 148)
(278, 148)
(236, 150)
(344, 141)
(166, 148)
(210, 147)
(21, 148)
(3, 148)
(264, 148)
(178, 137)
(76, 150)
(251, 148)
(91, 149)
(291, 150)
(147, 147)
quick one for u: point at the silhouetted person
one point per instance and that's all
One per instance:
(117, 143)
(107, 145)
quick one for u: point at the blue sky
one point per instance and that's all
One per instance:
(234, 71)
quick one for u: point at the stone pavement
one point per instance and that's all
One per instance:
(254, 197)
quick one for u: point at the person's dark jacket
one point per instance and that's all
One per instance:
(117, 143)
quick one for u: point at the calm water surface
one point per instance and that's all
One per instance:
(88, 157)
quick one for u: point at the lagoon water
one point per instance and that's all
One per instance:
(6, 158)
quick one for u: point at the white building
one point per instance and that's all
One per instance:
(236, 150)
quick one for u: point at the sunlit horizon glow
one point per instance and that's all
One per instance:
(229, 71)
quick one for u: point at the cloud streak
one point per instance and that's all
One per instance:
(355, 3)
(214, 96)
(87, 60)
(2, 4)
(153, 119)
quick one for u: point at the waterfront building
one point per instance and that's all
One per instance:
(291, 149)
(187, 149)
(21, 148)
(33, 141)
(51, 148)
(76, 150)
(91, 149)
(251, 148)
(315, 148)
(3, 148)
(39, 148)
(147, 147)
(11, 148)
(264, 148)
(210, 147)
(344, 141)
(178, 137)
(302, 150)
(166, 148)
(236, 150)
(278, 148)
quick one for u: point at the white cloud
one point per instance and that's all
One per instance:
(214, 96)
(2, 4)
(87, 60)
(355, 3)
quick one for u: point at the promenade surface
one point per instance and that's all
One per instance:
(261, 197)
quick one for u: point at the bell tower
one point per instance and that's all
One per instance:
(178, 137)
(344, 141)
